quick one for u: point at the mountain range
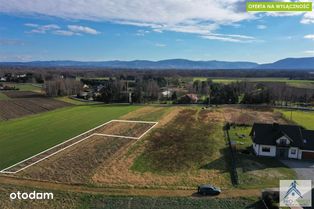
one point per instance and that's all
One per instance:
(305, 63)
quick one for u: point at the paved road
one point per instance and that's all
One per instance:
(304, 169)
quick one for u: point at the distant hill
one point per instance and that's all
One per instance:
(289, 63)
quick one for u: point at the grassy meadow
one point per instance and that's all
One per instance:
(27, 136)
(25, 86)
(294, 83)
(303, 118)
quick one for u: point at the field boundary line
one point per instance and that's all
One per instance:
(148, 130)
(116, 136)
(134, 121)
(86, 132)
(3, 170)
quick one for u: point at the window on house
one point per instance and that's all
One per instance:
(282, 141)
(265, 149)
(293, 151)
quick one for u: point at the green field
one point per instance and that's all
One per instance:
(25, 86)
(266, 79)
(24, 137)
(303, 118)
(71, 101)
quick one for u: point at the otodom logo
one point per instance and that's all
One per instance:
(31, 195)
(295, 193)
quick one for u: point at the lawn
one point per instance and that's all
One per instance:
(303, 118)
(24, 137)
(253, 171)
(241, 135)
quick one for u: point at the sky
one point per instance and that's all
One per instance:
(100, 30)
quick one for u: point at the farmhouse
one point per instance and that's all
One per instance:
(282, 141)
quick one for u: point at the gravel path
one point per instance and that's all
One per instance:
(304, 169)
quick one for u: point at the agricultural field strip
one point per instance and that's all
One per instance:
(94, 134)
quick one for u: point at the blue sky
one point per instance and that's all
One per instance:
(91, 30)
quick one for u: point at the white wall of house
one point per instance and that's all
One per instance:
(293, 153)
(264, 150)
(255, 147)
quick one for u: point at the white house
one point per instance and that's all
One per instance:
(282, 141)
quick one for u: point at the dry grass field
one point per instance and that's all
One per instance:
(77, 163)
(185, 149)
(176, 154)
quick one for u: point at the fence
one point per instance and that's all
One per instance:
(233, 171)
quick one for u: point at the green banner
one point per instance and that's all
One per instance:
(279, 6)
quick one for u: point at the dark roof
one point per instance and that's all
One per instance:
(267, 134)
(308, 139)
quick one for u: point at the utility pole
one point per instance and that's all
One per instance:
(291, 115)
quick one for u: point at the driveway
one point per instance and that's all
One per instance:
(304, 169)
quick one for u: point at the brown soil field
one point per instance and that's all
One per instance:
(22, 94)
(125, 128)
(16, 108)
(245, 116)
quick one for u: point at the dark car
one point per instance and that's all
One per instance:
(208, 190)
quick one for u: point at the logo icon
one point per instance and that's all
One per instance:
(295, 193)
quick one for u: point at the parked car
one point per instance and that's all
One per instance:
(208, 190)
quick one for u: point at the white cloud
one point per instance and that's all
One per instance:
(230, 38)
(141, 11)
(32, 25)
(309, 36)
(160, 45)
(64, 33)
(200, 17)
(308, 18)
(57, 30)
(82, 29)
(309, 52)
(41, 28)
(261, 27)
(142, 32)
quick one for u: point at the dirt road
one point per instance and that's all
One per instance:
(121, 191)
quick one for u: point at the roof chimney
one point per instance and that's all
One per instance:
(275, 126)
